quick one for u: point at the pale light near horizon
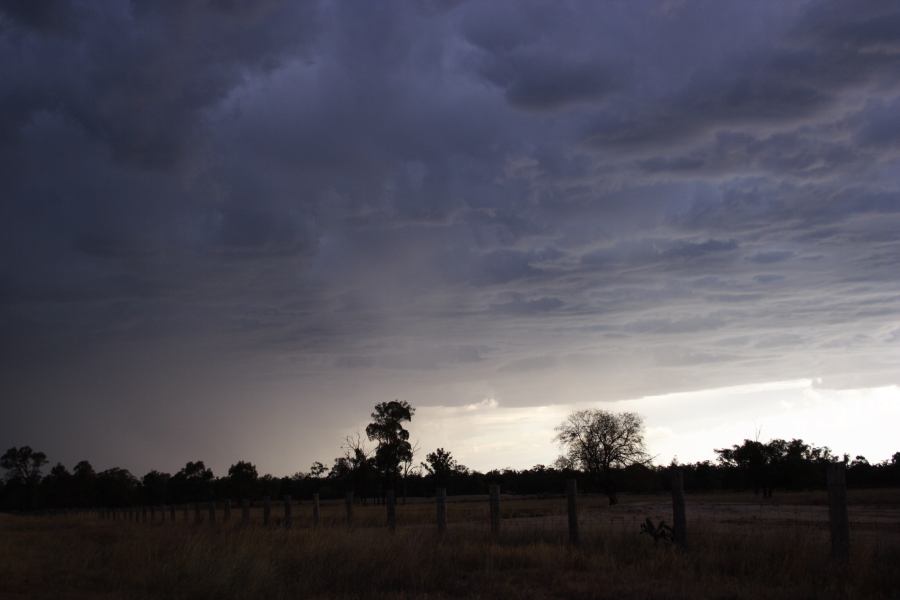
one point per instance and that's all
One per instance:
(685, 425)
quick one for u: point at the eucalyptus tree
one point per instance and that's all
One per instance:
(387, 430)
(599, 442)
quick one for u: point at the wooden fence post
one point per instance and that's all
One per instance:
(495, 509)
(572, 508)
(288, 518)
(267, 510)
(837, 511)
(152, 513)
(348, 503)
(143, 514)
(226, 515)
(391, 505)
(245, 512)
(197, 517)
(679, 521)
(172, 512)
(211, 508)
(316, 509)
(440, 501)
(162, 513)
(185, 511)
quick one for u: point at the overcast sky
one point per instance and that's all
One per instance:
(229, 228)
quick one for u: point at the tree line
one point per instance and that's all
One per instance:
(604, 451)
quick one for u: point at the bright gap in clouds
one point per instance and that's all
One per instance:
(688, 425)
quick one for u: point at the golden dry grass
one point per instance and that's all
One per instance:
(739, 548)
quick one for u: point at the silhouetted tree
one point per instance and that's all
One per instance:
(23, 464)
(156, 487)
(754, 459)
(243, 479)
(23, 474)
(316, 472)
(193, 482)
(356, 468)
(117, 487)
(440, 464)
(84, 481)
(762, 466)
(597, 442)
(57, 487)
(393, 440)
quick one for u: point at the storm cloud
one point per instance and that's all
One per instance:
(310, 207)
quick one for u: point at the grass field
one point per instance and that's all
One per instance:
(738, 548)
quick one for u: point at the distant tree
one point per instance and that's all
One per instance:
(23, 474)
(193, 482)
(83, 484)
(356, 468)
(23, 464)
(440, 464)
(57, 487)
(317, 470)
(753, 458)
(156, 487)
(387, 429)
(598, 441)
(117, 487)
(243, 478)
(792, 464)
(84, 469)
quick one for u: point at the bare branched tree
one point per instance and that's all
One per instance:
(598, 441)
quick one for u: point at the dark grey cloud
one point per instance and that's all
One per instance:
(519, 304)
(443, 200)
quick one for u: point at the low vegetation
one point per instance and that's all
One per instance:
(738, 547)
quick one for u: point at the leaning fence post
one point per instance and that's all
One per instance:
(391, 505)
(572, 507)
(837, 511)
(245, 512)
(440, 500)
(495, 509)
(348, 503)
(288, 519)
(316, 509)
(267, 510)
(679, 522)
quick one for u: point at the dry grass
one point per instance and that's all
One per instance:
(738, 549)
